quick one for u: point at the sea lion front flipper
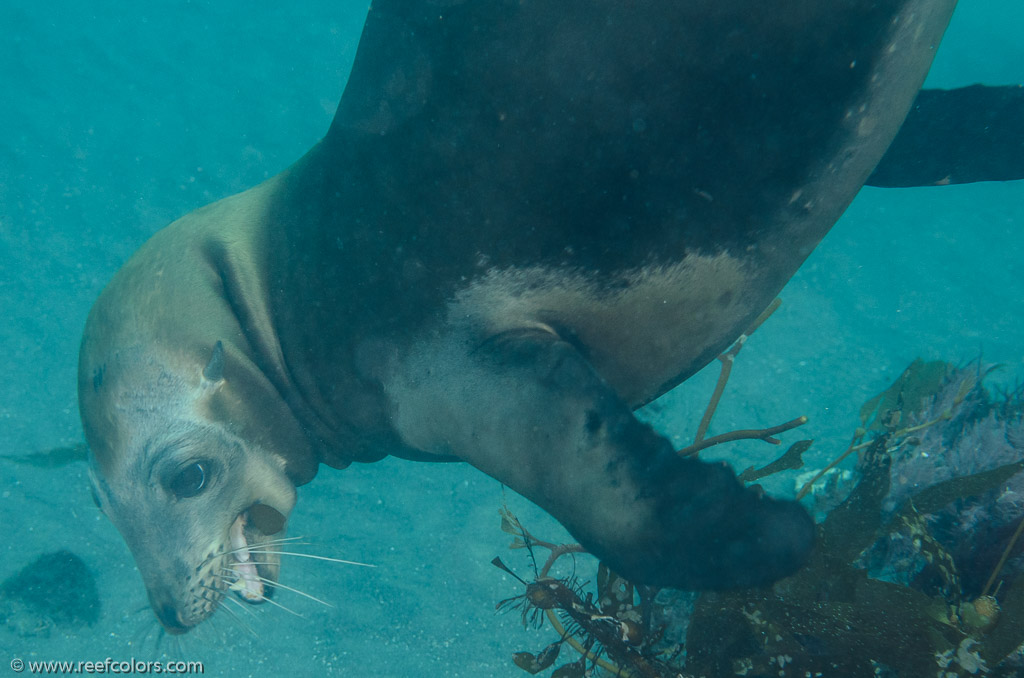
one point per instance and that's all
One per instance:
(526, 408)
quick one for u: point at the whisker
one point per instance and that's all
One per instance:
(212, 589)
(153, 635)
(267, 600)
(285, 587)
(260, 562)
(279, 605)
(282, 540)
(210, 631)
(161, 634)
(238, 620)
(310, 555)
(240, 605)
(231, 599)
(291, 541)
(142, 634)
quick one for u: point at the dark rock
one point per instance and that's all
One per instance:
(55, 590)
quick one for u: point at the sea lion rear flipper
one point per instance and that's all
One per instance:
(528, 409)
(957, 136)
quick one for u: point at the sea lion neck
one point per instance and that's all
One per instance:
(320, 239)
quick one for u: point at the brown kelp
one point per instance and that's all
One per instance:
(610, 630)
(916, 572)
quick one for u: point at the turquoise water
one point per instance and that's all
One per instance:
(119, 117)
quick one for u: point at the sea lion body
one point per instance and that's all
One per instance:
(526, 220)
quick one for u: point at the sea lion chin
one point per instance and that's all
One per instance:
(527, 220)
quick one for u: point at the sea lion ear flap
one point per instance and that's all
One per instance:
(213, 373)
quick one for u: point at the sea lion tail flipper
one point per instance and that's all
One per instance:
(529, 410)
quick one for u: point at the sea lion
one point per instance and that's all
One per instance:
(526, 220)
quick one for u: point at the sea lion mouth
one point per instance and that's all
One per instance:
(255, 567)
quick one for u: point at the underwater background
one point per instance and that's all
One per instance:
(119, 117)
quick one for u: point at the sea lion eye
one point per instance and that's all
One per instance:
(190, 480)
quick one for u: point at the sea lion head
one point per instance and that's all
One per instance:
(193, 454)
(193, 500)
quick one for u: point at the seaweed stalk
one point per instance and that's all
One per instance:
(1003, 558)
(856, 445)
(765, 434)
(586, 653)
(832, 464)
(727, 359)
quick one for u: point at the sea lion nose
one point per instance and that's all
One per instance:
(168, 617)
